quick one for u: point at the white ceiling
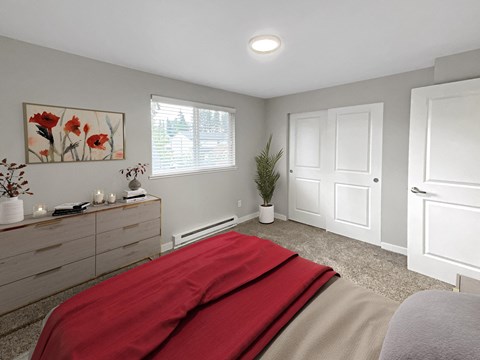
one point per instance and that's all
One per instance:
(326, 42)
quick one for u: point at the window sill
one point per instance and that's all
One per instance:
(192, 172)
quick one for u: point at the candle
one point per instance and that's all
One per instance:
(111, 198)
(39, 210)
(98, 197)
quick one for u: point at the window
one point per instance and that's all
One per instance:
(190, 137)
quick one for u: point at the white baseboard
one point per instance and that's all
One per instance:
(280, 217)
(167, 246)
(247, 217)
(255, 215)
(394, 248)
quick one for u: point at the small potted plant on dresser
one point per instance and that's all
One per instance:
(266, 180)
(12, 184)
(132, 173)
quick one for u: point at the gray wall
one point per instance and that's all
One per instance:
(35, 74)
(394, 92)
(457, 67)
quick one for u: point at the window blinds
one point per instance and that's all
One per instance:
(191, 137)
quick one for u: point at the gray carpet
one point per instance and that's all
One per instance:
(366, 265)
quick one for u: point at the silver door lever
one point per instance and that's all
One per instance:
(416, 190)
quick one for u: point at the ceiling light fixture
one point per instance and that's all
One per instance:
(265, 44)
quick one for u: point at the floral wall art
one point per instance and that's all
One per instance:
(60, 134)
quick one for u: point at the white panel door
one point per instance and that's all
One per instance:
(444, 181)
(306, 181)
(354, 153)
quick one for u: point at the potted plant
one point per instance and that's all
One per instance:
(266, 180)
(12, 184)
(132, 173)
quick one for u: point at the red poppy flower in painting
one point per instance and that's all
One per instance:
(86, 128)
(47, 120)
(73, 125)
(97, 141)
(44, 152)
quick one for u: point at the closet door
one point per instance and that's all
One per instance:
(444, 181)
(354, 167)
(306, 180)
(335, 164)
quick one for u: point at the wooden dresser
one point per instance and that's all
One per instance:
(39, 257)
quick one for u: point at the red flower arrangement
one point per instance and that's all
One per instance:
(11, 184)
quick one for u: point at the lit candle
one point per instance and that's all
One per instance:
(111, 198)
(98, 197)
(39, 210)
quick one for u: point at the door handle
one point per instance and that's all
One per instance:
(416, 190)
(291, 171)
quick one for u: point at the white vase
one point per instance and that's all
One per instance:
(11, 210)
(266, 214)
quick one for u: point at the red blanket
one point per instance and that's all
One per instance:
(221, 298)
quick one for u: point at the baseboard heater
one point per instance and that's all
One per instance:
(204, 231)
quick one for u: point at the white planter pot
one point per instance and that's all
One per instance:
(266, 214)
(11, 210)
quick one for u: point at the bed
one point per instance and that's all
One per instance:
(231, 296)
(305, 310)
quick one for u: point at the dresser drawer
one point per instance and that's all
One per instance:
(127, 215)
(126, 235)
(45, 233)
(127, 254)
(21, 266)
(25, 291)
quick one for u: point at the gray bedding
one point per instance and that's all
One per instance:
(435, 325)
(343, 321)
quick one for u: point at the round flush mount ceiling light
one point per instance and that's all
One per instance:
(265, 44)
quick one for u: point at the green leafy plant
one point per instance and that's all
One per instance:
(267, 176)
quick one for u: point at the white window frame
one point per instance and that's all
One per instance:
(180, 172)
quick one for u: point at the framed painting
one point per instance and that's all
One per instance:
(55, 134)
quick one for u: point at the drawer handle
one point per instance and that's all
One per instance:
(130, 245)
(48, 223)
(48, 272)
(128, 207)
(48, 248)
(130, 226)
